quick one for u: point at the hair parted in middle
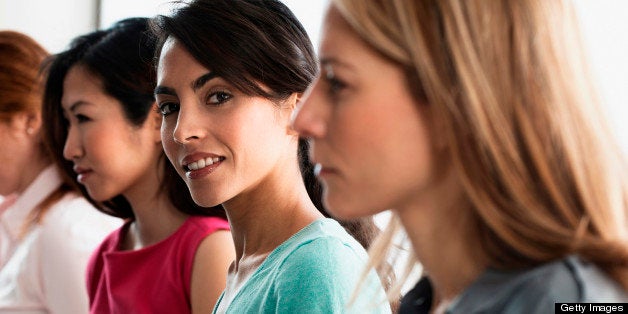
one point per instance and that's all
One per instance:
(121, 57)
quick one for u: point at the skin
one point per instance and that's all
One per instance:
(98, 132)
(22, 163)
(256, 178)
(113, 157)
(379, 149)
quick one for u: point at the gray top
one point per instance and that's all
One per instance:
(533, 290)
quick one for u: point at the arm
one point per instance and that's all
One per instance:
(209, 272)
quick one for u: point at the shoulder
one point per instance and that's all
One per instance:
(323, 260)
(74, 210)
(571, 280)
(536, 290)
(323, 273)
(206, 225)
(216, 245)
(324, 246)
(73, 220)
(196, 230)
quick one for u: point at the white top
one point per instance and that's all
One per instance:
(44, 272)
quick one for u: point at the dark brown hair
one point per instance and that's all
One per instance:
(251, 43)
(121, 58)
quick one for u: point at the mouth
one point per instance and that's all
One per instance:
(81, 174)
(321, 171)
(317, 169)
(202, 163)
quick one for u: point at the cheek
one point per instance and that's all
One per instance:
(261, 140)
(387, 155)
(167, 141)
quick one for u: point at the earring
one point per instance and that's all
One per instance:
(30, 131)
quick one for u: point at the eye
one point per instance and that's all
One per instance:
(167, 108)
(81, 118)
(218, 98)
(334, 84)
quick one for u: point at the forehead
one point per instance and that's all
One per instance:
(339, 41)
(176, 64)
(78, 84)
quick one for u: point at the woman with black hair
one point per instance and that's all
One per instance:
(171, 256)
(230, 74)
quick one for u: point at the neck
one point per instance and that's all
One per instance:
(156, 218)
(268, 214)
(37, 164)
(443, 233)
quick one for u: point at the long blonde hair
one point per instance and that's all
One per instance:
(508, 81)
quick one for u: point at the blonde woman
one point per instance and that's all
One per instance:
(474, 121)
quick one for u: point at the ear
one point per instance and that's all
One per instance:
(34, 124)
(294, 99)
(154, 119)
(26, 124)
(290, 108)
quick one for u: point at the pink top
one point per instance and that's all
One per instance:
(155, 279)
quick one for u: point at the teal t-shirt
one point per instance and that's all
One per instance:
(315, 271)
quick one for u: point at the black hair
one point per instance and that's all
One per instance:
(121, 57)
(253, 42)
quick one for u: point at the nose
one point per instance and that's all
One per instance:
(72, 149)
(188, 127)
(309, 119)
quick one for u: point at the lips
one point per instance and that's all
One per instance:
(81, 173)
(320, 170)
(201, 164)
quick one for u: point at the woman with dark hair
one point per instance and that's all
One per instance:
(47, 230)
(171, 256)
(229, 76)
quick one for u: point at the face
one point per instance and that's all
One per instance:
(370, 139)
(111, 156)
(222, 142)
(22, 141)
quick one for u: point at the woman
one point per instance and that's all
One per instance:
(474, 121)
(228, 79)
(104, 130)
(47, 231)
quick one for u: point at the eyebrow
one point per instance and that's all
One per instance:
(196, 84)
(334, 61)
(76, 105)
(163, 90)
(203, 79)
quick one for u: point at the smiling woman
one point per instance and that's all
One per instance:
(229, 76)
(104, 130)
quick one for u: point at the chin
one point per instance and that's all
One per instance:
(341, 207)
(204, 201)
(99, 197)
